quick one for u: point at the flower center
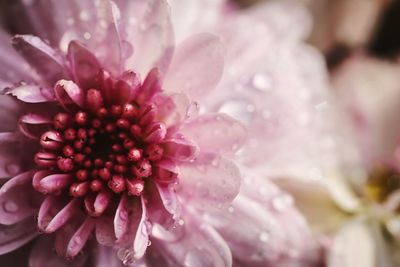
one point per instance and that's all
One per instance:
(382, 181)
(105, 149)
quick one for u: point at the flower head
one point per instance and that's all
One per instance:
(123, 138)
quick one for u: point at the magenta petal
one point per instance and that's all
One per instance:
(31, 93)
(18, 199)
(69, 94)
(49, 209)
(179, 148)
(78, 240)
(17, 235)
(196, 67)
(42, 255)
(54, 183)
(47, 62)
(34, 125)
(155, 132)
(62, 216)
(165, 172)
(209, 179)
(151, 86)
(216, 132)
(84, 65)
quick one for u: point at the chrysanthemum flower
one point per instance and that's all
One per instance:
(115, 134)
(355, 204)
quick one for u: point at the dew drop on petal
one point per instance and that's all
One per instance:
(280, 203)
(12, 168)
(264, 237)
(239, 109)
(262, 82)
(10, 206)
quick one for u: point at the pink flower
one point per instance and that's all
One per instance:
(117, 134)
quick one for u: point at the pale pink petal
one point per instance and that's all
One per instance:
(172, 110)
(137, 238)
(16, 154)
(52, 212)
(60, 218)
(209, 179)
(18, 199)
(84, 65)
(196, 67)
(151, 34)
(191, 243)
(180, 148)
(69, 94)
(64, 235)
(34, 125)
(42, 255)
(121, 219)
(17, 235)
(31, 93)
(54, 183)
(13, 67)
(47, 62)
(215, 133)
(78, 240)
(263, 228)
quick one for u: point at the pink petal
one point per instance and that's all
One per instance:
(136, 240)
(152, 37)
(155, 132)
(11, 111)
(42, 255)
(121, 218)
(215, 132)
(16, 235)
(172, 110)
(16, 154)
(53, 183)
(191, 243)
(47, 62)
(209, 179)
(18, 200)
(165, 171)
(162, 203)
(105, 231)
(179, 148)
(12, 64)
(196, 67)
(34, 125)
(84, 65)
(78, 240)
(31, 93)
(69, 94)
(61, 217)
(48, 212)
(278, 236)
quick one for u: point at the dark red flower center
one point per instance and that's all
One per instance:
(108, 149)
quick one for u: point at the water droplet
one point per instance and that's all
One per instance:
(181, 222)
(215, 162)
(84, 15)
(261, 82)
(149, 243)
(12, 168)
(123, 215)
(87, 35)
(10, 206)
(280, 203)
(238, 108)
(264, 237)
